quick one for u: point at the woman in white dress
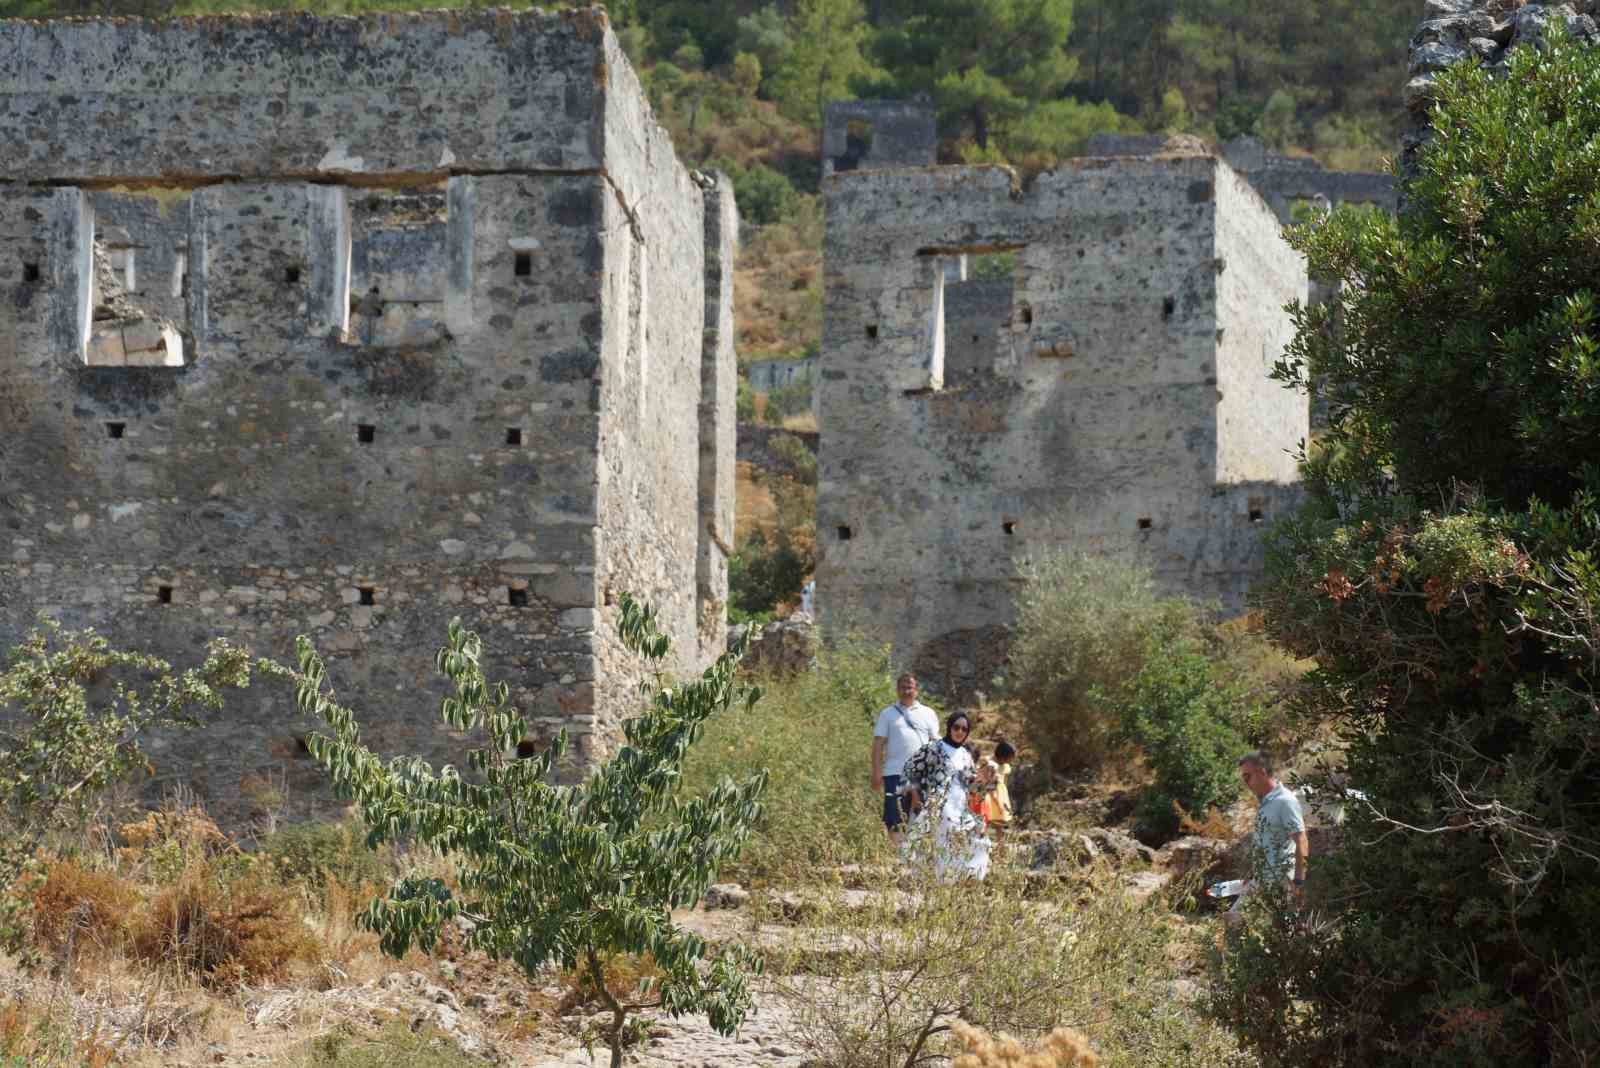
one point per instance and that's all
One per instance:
(944, 778)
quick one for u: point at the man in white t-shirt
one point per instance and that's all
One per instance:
(901, 729)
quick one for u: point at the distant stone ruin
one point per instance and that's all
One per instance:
(345, 326)
(1081, 363)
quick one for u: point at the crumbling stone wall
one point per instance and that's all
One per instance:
(1456, 31)
(1125, 408)
(434, 289)
(869, 134)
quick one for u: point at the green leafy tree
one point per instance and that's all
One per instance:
(1444, 577)
(73, 713)
(827, 40)
(571, 875)
(984, 62)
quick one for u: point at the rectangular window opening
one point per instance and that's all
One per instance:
(366, 595)
(872, 331)
(845, 532)
(30, 271)
(366, 433)
(163, 595)
(1168, 307)
(1145, 523)
(1009, 526)
(524, 265)
(513, 435)
(980, 308)
(291, 276)
(517, 598)
(1257, 515)
(115, 430)
(526, 749)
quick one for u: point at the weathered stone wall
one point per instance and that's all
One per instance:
(870, 134)
(719, 384)
(420, 394)
(1458, 31)
(1098, 423)
(280, 95)
(1281, 180)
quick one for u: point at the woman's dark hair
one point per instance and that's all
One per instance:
(1004, 751)
(950, 721)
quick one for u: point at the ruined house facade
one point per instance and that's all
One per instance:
(1106, 390)
(344, 327)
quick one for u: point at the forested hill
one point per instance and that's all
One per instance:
(740, 83)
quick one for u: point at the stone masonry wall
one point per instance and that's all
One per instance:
(404, 392)
(1098, 425)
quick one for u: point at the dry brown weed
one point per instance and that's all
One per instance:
(1061, 1048)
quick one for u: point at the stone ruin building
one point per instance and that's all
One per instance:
(1078, 363)
(345, 326)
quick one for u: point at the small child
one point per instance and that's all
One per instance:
(997, 805)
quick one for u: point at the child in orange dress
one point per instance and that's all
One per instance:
(997, 805)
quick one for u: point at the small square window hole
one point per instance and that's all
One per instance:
(1256, 515)
(1009, 526)
(524, 265)
(291, 276)
(30, 272)
(163, 595)
(1145, 523)
(1027, 315)
(115, 431)
(517, 598)
(366, 595)
(526, 749)
(1168, 307)
(366, 433)
(845, 533)
(872, 331)
(513, 435)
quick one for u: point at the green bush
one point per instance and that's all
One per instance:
(1082, 636)
(311, 853)
(763, 573)
(764, 195)
(744, 405)
(790, 400)
(795, 460)
(1444, 578)
(570, 876)
(812, 732)
(1179, 710)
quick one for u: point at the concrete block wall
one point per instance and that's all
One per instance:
(412, 395)
(1096, 422)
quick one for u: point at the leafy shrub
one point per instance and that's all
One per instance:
(795, 460)
(787, 401)
(313, 853)
(744, 405)
(568, 875)
(764, 195)
(65, 747)
(811, 732)
(1443, 576)
(764, 572)
(1083, 631)
(1178, 710)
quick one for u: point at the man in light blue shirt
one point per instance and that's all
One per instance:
(1281, 847)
